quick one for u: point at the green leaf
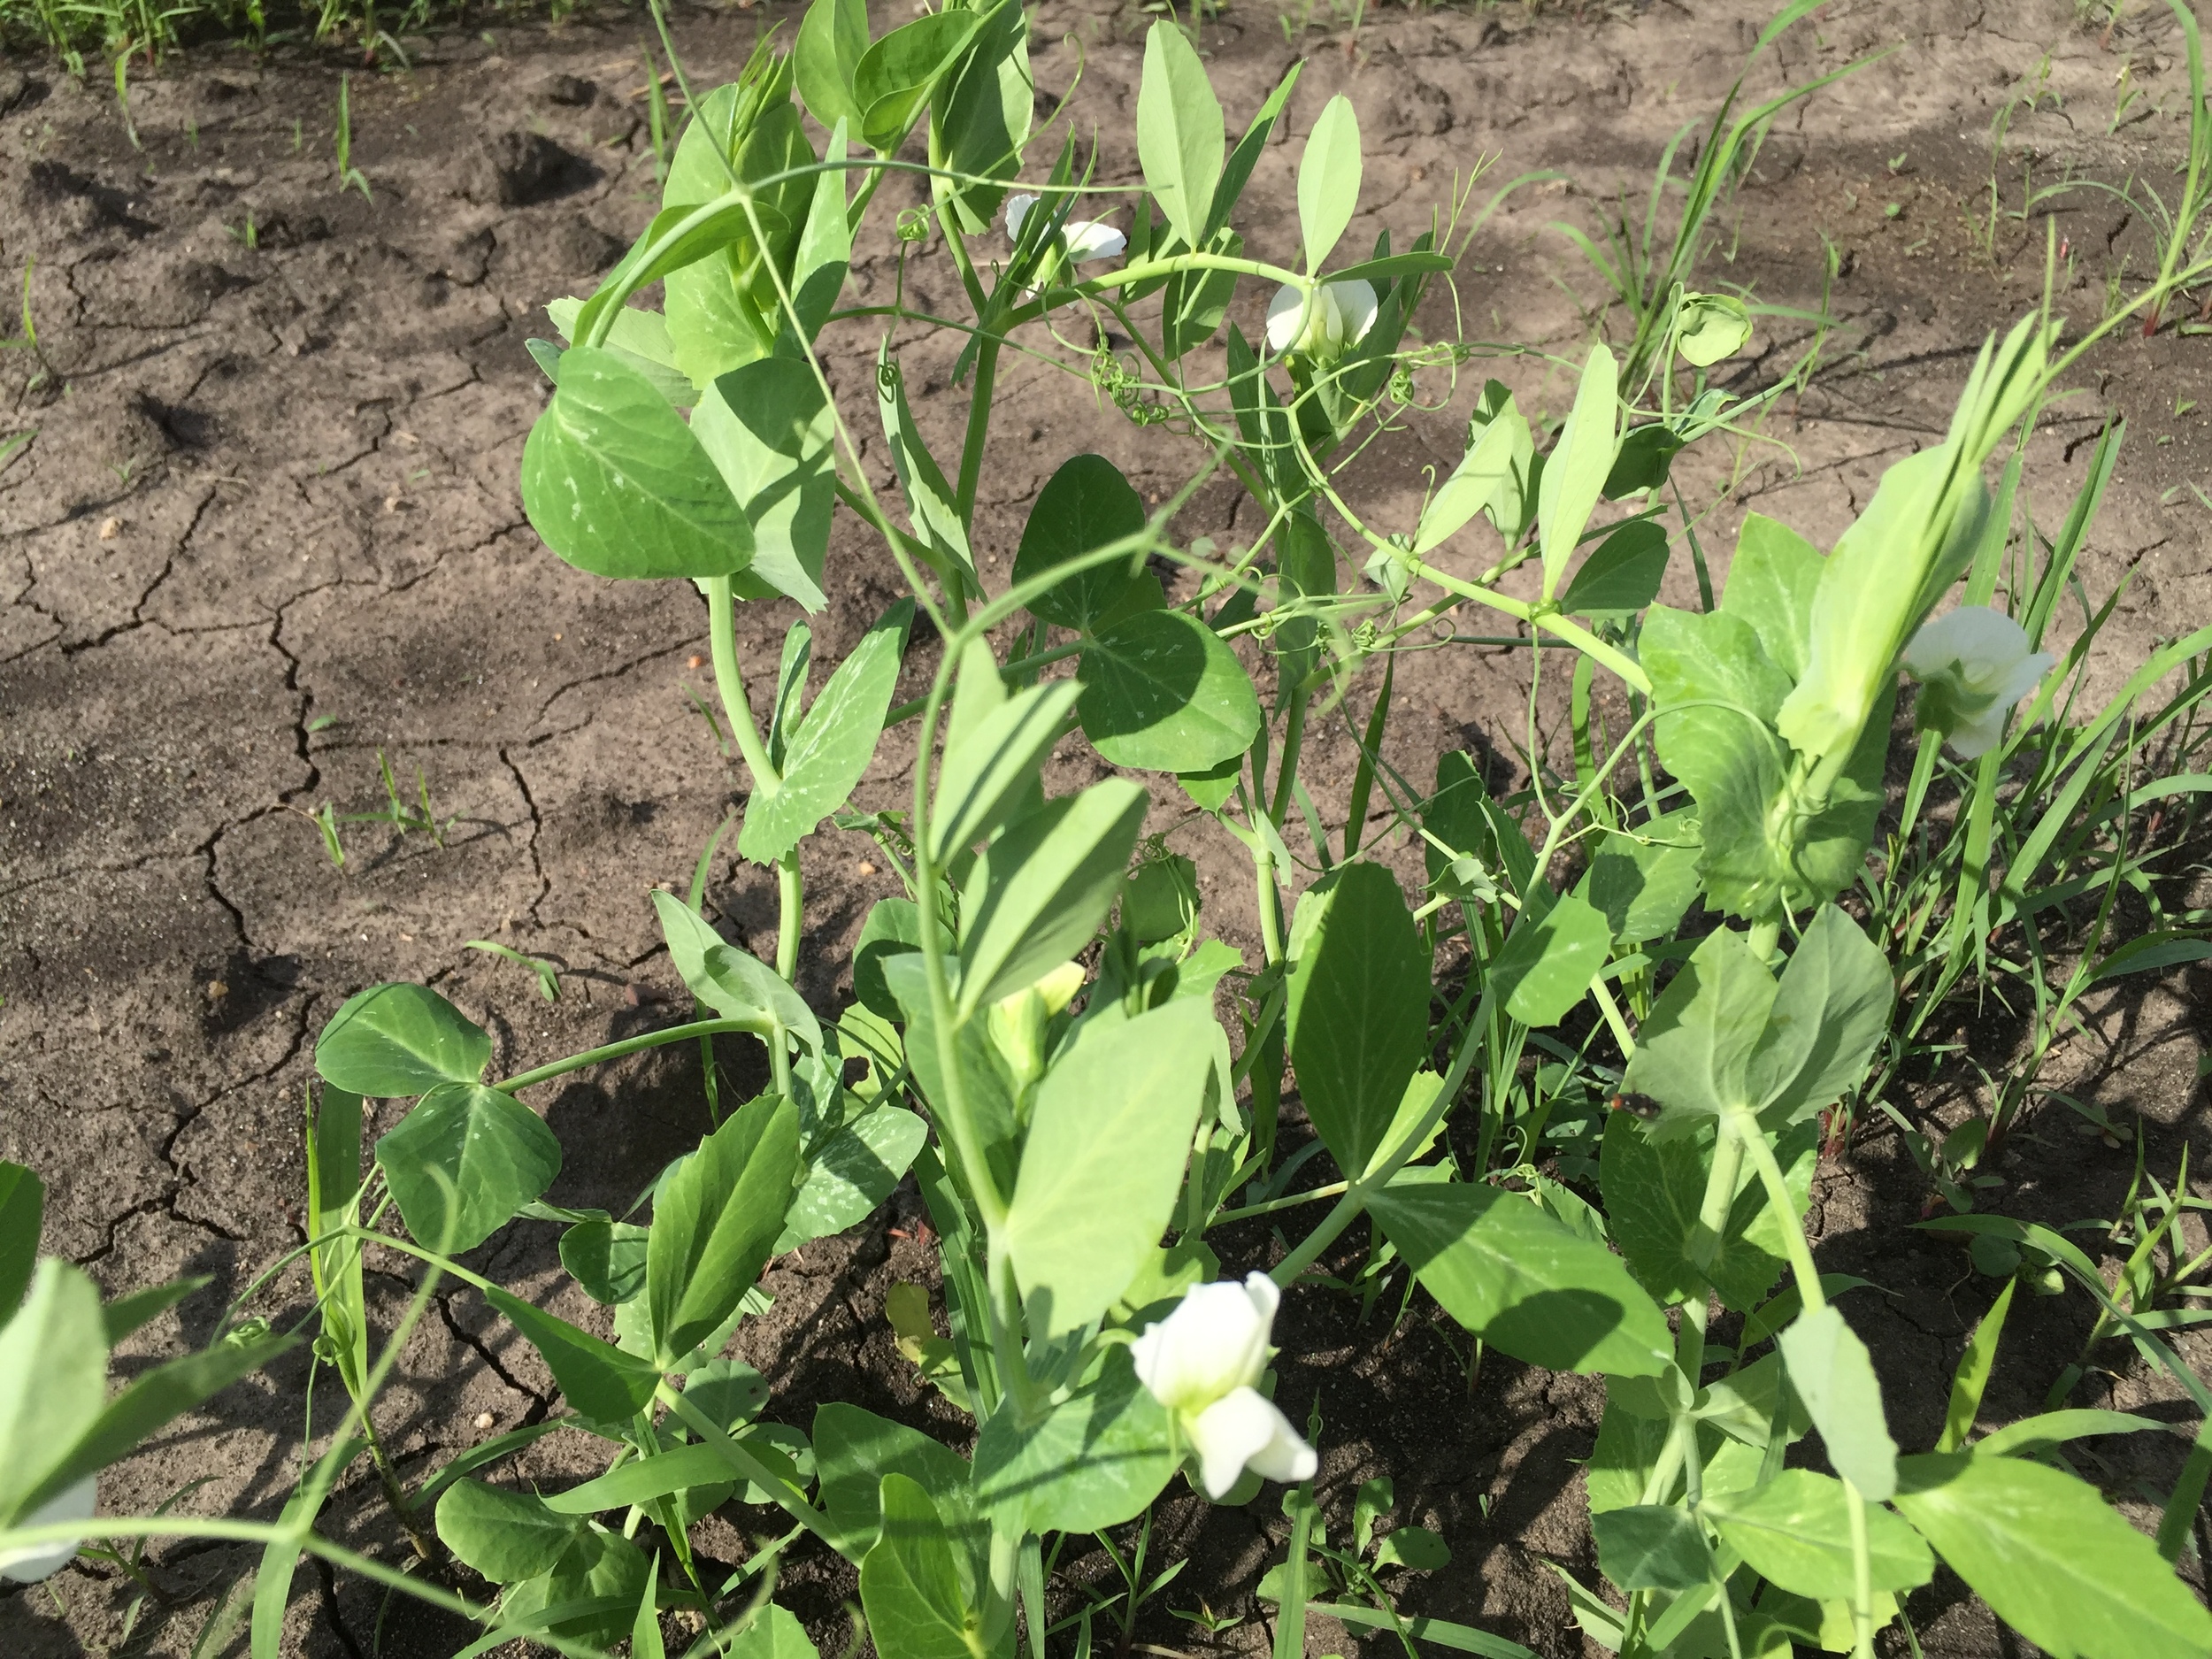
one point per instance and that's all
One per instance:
(614, 481)
(768, 430)
(991, 766)
(1646, 458)
(507, 1536)
(894, 77)
(53, 1379)
(1109, 1137)
(127, 1312)
(1040, 891)
(1524, 1282)
(1694, 1054)
(715, 1215)
(1770, 584)
(1162, 692)
(607, 1258)
(464, 1160)
(832, 41)
(1796, 1531)
(1180, 137)
(22, 1213)
(1547, 962)
(1086, 505)
(1192, 304)
(1644, 880)
(1575, 474)
(1328, 180)
(645, 1629)
(1653, 1189)
(1236, 172)
(592, 1591)
(910, 1587)
(639, 337)
(1652, 1547)
(1415, 1547)
(854, 1449)
(774, 1633)
(834, 744)
(854, 1171)
(2033, 1437)
(942, 534)
(988, 1084)
(823, 259)
(1358, 1008)
(1095, 1460)
(980, 124)
(1622, 573)
(1485, 473)
(894, 928)
(671, 1470)
(394, 1040)
(602, 1383)
(1972, 1376)
(1834, 1376)
(1830, 1010)
(2052, 1559)
(733, 982)
(1711, 326)
(2162, 950)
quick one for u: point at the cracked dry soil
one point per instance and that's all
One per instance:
(268, 529)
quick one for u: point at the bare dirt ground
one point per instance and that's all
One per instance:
(268, 528)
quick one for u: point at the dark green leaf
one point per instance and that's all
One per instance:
(464, 1160)
(600, 1381)
(832, 41)
(1653, 1189)
(2052, 1559)
(834, 744)
(1086, 505)
(854, 1449)
(394, 1040)
(1163, 693)
(1622, 574)
(894, 928)
(127, 1312)
(1645, 457)
(1830, 1010)
(22, 1214)
(894, 78)
(1359, 1007)
(940, 531)
(1652, 1547)
(979, 123)
(507, 1536)
(1525, 1283)
(607, 1258)
(1237, 170)
(614, 481)
(715, 1216)
(854, 1171)
(1644, 880)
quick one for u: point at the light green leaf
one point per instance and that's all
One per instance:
(672, 1470)
(614, 481)
(1834, 1376)
(1086, 505)
(1096, 1459)
(1711, 326)
(910, 1586)
(1771, 585)
(1653, 1189)
(854, 1449)
(1328, 180)
(394, 1040)
(1971, 1378)
(894, 77)
(2031, 1437)
(507, 1536)
(1622, 574)
(1525, 1283)
(823, 257)
(640, 338)
(1415, 1548)
(832, 41)
(854, 1171)
(1485, 474)
(735, 984)
(1575, 473)
(1108, 1138)
(715, 1218)
(1358, 1008)
(768, 429)
(645, 1628)
(1162, 692)
(53, 1379)
(1694, 1054)
(1040, 889)
(2052, 1559)
(938, 529)
(1180, 137)
(1796, 1531)
(776, 1633)
(834, 745)
(1830, 1010)
(1547, 961)
(1645, 878)
(606, 1257)
(991, 764)
(600, 1380)
(980, 122)
(494, 1154)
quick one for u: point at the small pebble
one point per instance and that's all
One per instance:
(867, 869)
(110, 528)
(484, 1419)
(694, 661)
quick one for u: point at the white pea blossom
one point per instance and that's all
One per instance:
(1973, 665)
(35, 1561)
(1086, 239)
(1201, 1362)
(1337, 318)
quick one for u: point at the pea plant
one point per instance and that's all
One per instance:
(1083, 1084)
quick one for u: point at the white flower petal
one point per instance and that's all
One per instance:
(2026, 675)
(1972, 739)
(1237, 1428)
(1286, 318)
(43, 1561)
(1215, 1342)
(1088, 240)
(1982, 644)
(1018, 208)
(1357, 305)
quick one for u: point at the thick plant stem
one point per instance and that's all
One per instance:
(729, 682)
(979, 427)
(629, 1045)
(791, 902)
(1286, 773)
